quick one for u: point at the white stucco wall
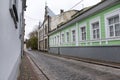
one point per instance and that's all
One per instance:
(10, 44)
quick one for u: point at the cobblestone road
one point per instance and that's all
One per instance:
(58, 68)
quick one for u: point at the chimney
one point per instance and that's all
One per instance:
(61, 11)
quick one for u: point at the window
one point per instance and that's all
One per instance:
(46, 43)
(13, 11)
(114, 26)
(16, 3)
(95, 30)
(83, 33)
(45, 29)
(55, 40)
(62, 38)
(73, 35)
(58, 39)
(67, 34)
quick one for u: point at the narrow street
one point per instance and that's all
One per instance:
(58, 68)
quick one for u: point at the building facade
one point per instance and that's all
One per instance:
(11, 37)
(42, 36)
(50, 23)
(61, 18)
(92, 33)
(44, 29)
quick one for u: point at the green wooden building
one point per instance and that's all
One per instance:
(93, 32)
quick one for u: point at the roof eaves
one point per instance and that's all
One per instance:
(73, 19)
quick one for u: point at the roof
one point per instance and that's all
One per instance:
(75, 15)
(81, 11)
(84, 13)
(49, 12)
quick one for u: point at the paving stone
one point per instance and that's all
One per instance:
(58, 68)
(26, 70)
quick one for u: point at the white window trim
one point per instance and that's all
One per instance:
(62, 38)
(108, 15)
(10, 3)
(77, 30)
(93, 21)
(66, 36)
(80, 34)
(72, 34)
(58, 39)
(54, 40)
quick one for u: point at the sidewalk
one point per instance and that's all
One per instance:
(27, 71)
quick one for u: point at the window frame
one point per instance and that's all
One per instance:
(67, 36)
(13, 11)
(108, 16)
(91, 28)
(62, 38)
(46, 30)
(55, 40)
(58, 38)
(80, 31)
(72, 35)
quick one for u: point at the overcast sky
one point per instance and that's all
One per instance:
(35, 10)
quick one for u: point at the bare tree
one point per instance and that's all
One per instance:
(33, 39)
